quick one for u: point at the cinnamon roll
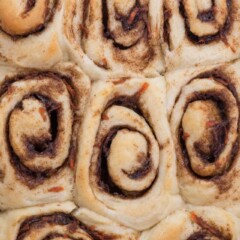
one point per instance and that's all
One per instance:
(203, 105)
(127, 163)
(205, 223)
(29, 32)
(60, 221)
(115, 38)
(200, 32)
(40, 113)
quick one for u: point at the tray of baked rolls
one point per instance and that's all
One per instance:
(119, 119)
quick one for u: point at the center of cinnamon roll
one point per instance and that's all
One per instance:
(204, 129)
(126, 166)
(206, 21)
(127, 160)
(30, 146)
(128, 25)
(205, 126)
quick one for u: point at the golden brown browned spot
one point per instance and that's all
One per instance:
(48, 15)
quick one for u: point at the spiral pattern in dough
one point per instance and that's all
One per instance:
(115, 37)
(40, 116)
(204, 118)
(126, 153)
(200, 32)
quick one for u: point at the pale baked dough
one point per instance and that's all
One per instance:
(200, 32)
(196, 223)
(30, 32)
(60, 221)
(114, 38)
(126, 167)
(40, 113)
(203, 108)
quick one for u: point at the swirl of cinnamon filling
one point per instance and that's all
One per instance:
(40, 116)
(121, 143)
(58, 226)
(23, 18)
(200, 33)
(129, 23)
(204, 119)
(126, 152)
(37, 123)
(60, 221)
(114, 36)
(207, 21)
(207, 126)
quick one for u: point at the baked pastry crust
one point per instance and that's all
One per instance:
(127, 119)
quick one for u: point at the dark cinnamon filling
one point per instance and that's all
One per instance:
(219, 131)
(208, 231)
(167, 14)
(44, 147)
(140, 15)
(104, 181)
(30, 5)
(208, 16)
(204, 235)
(130, 102)
(59, 219)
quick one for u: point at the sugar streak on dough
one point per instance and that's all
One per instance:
(196, 223)
(203, 104)
(115, 38)
(60, 221)
(210, 29)
(40, 117)
(126, 153)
